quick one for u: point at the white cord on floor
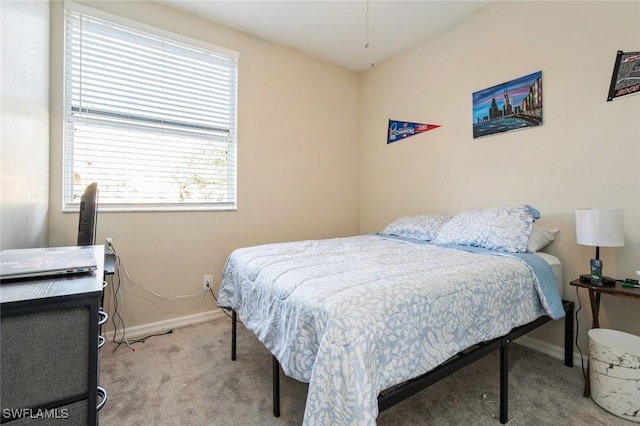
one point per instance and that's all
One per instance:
(114, 294)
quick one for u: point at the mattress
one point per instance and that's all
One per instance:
(354, 316)
(556, 269)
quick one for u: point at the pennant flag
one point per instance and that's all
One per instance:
(401, 129)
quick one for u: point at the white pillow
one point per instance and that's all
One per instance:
(540, 237)
(502, 228)
(421, 227)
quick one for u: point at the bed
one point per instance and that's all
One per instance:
(356, 317)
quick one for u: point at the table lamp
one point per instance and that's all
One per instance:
(599, 228)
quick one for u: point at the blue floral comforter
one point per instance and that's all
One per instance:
(354, 316)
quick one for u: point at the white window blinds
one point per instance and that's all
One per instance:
(150, 118)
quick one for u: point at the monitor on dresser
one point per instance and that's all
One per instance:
(88, 214)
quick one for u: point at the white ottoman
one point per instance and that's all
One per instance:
(614, 372)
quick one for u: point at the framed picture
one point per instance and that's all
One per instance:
(514, 105)
(626, 75)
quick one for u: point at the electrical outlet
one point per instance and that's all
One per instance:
(207, 282)
(108, 247)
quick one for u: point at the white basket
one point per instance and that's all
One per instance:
(614, 372)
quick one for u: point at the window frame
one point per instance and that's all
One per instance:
(67, 162)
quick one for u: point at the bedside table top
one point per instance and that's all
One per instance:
(616, 290)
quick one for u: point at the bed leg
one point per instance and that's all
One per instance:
(568, 333)
(276, 387)
(504, 381)
(234, 320)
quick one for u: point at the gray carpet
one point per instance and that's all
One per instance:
(187, 378)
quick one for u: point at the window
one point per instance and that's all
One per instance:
(149, 116)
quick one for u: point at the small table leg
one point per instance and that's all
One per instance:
(595, 307)
(594, 298)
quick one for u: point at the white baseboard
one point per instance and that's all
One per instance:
(549, 349)
(166, 325)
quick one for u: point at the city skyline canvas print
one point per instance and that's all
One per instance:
(514, 105)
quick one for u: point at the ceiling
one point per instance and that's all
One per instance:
(333, 30)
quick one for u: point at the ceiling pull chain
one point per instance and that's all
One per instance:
(367, 43)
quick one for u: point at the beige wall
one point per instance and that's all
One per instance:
(302, 173)
(297, 169)
(586, 154)
(24, 132)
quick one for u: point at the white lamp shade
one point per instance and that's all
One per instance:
(599, 227)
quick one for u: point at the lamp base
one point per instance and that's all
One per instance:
(604, 281)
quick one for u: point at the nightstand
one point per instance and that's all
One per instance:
(594, 298)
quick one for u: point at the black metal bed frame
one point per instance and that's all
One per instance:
(390, 397)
